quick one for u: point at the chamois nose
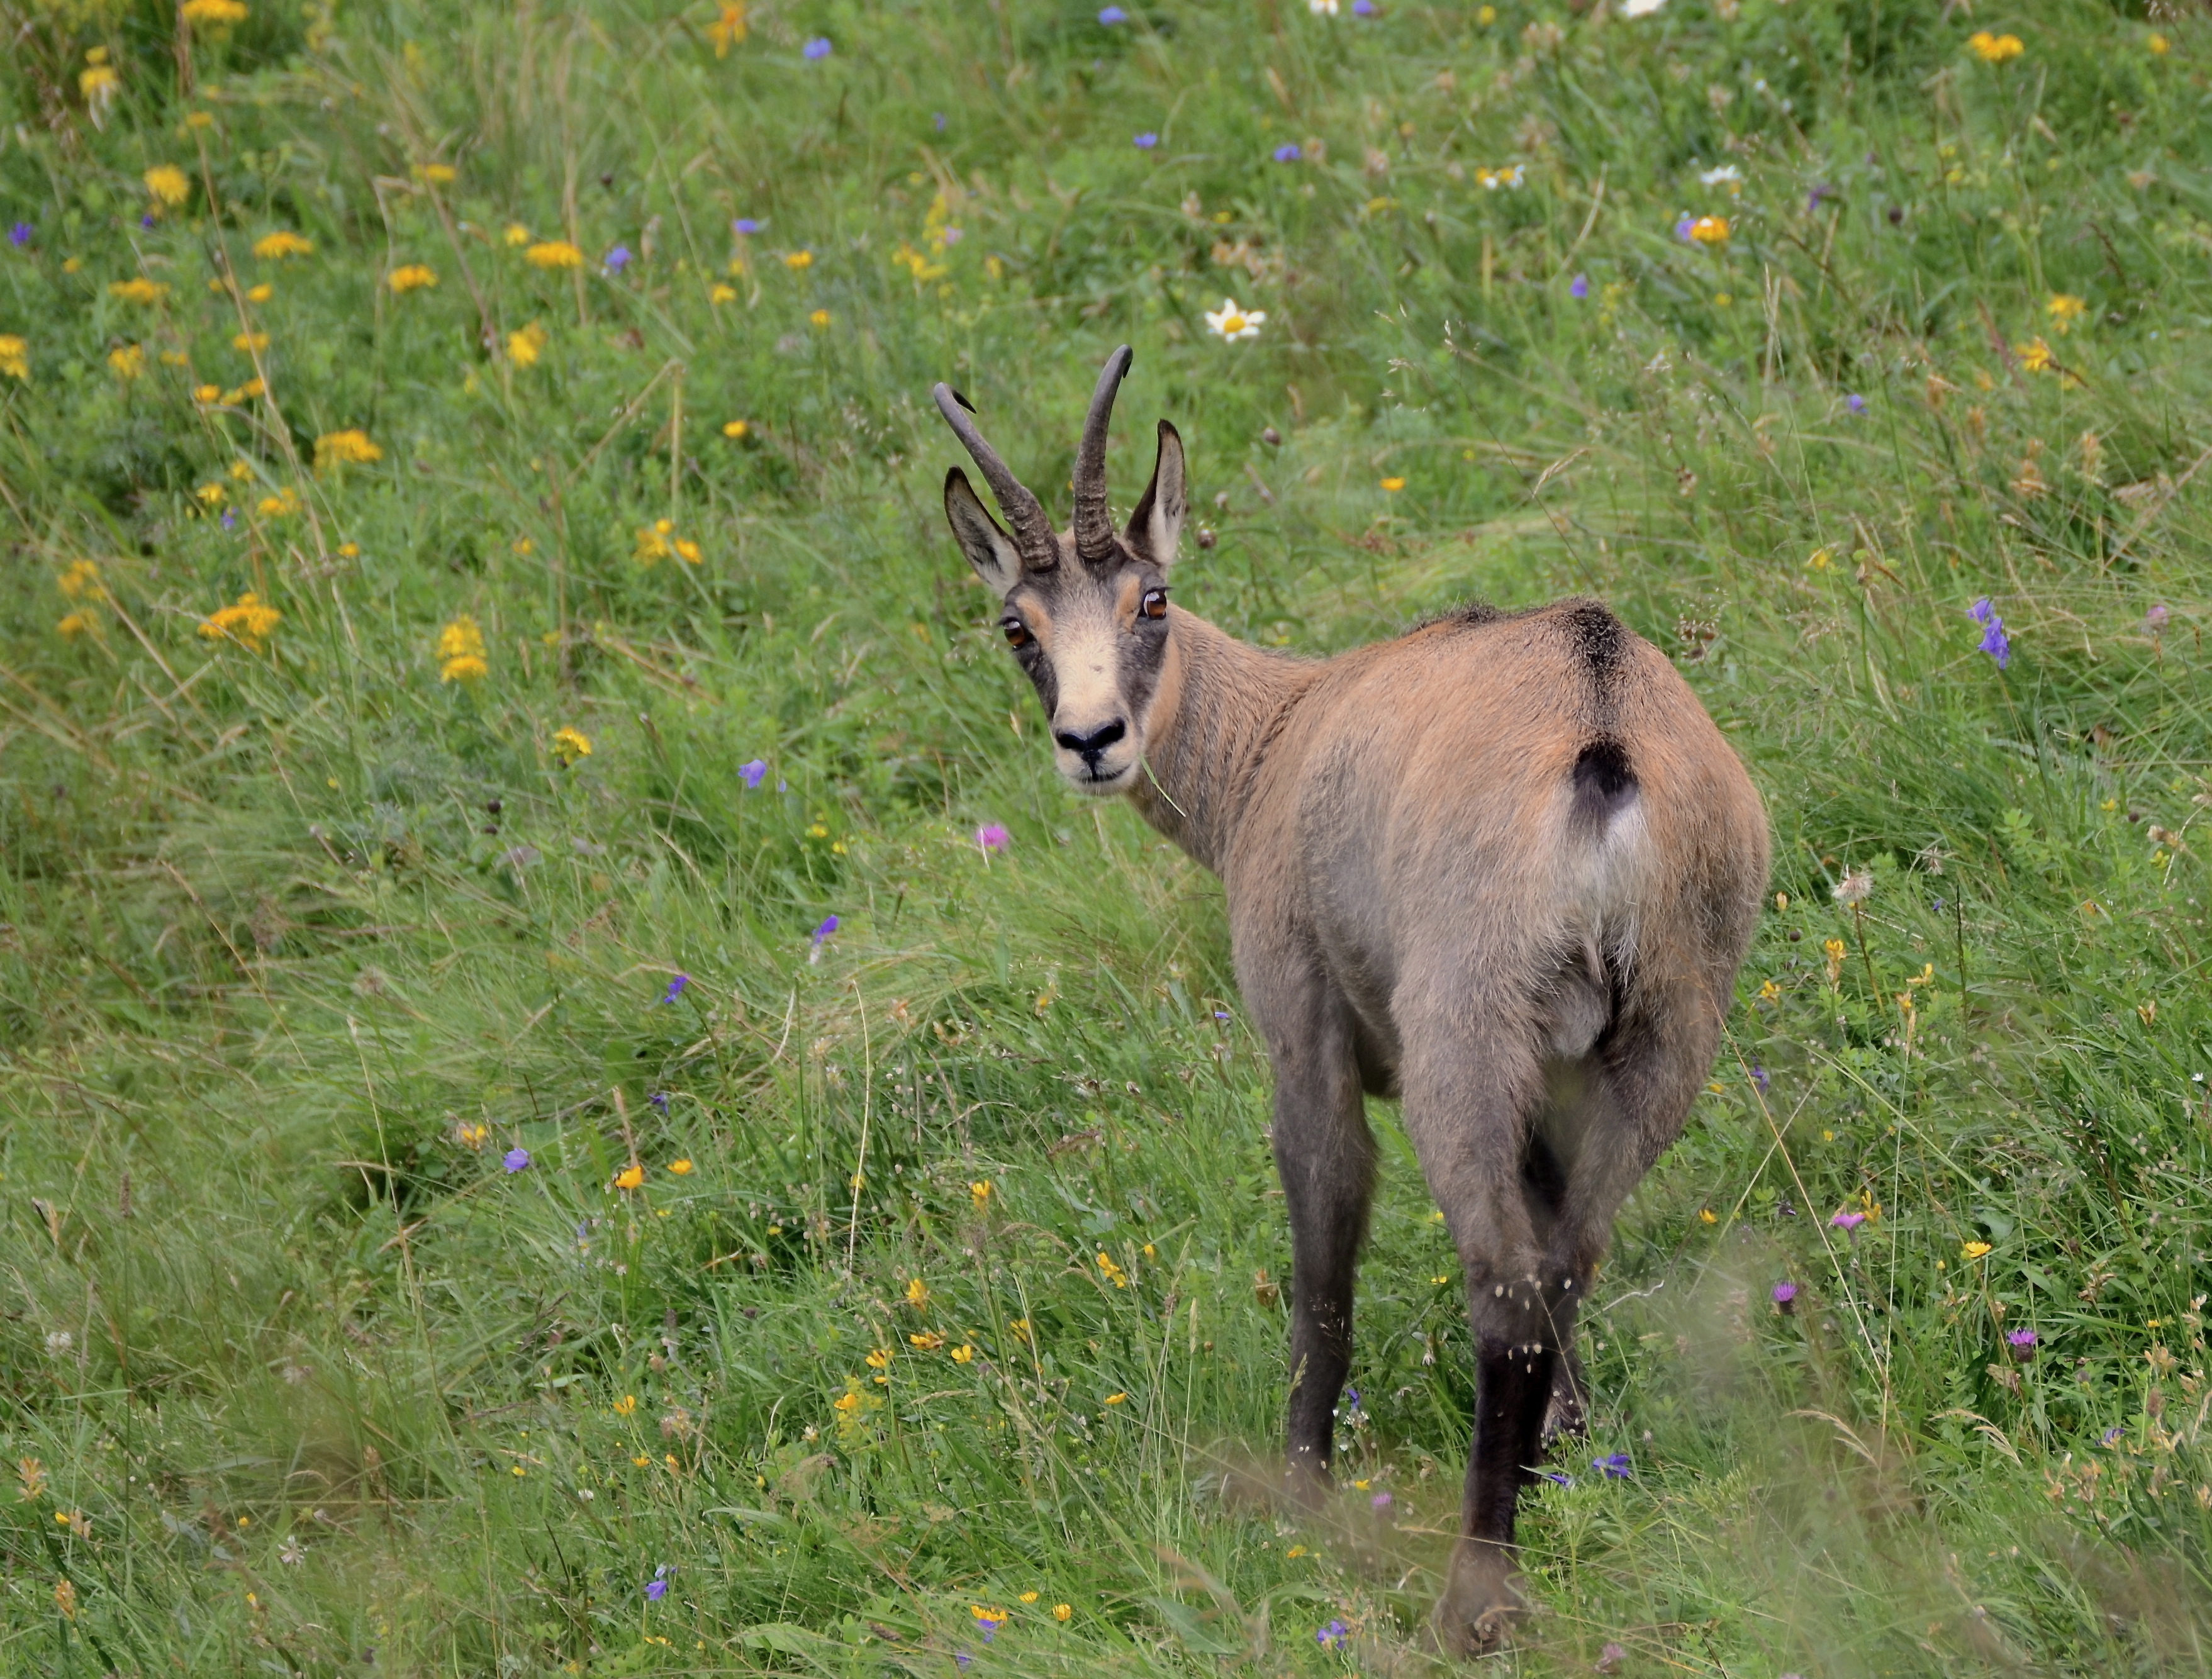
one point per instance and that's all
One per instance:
(1093, 744)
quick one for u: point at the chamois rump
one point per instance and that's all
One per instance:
(1504, 868)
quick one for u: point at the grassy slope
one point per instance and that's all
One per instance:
(321, 1378)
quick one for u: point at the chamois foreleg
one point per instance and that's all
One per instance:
(1325, 1155)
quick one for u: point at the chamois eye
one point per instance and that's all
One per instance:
(1156, 602)
(1018, 633)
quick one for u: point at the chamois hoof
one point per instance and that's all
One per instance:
(1481, 1602)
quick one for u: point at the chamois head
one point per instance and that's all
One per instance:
(1085, 609)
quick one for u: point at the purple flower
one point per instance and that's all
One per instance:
(963, 1660)
(2021, 1344)
(938, 118)
(1848, 1221)
(1147, 140)
(1996, 643)
(752, 773)
(1981, 611)
(1557, 1480)
(2154, 619)
(1821, 189)
(816, 48)
(1610, 1657)
(1579, 287)
(676, 988)
(1380, 1501)
(147, 220)
(1855, 402)
(829, 926)
(993, 836)
(516, 1160)
(746, 226)
(659, 1100)
(1761, 1078)
(1613, 1466)
(19, 235)
(2112, 1436)
(1288, 153)
(1363, 8)
(1112, 16)
(1351, 1398)
(230, 519)
(1222, 1015)
(617, 259)
(655, 1590)
(988, 1627)
(1785, 1295)
(1332, 1636)
(1682, 228)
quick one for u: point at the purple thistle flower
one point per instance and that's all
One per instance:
(676, 988)
(1288, 153)
(1613, 1466)
(746, 226)
(751, 774)
(2020, 1343)
(516, 1160)
(1112, 16)
(2154, 619)
(1848, 1221)
(1610, 1657)
(1785, 1296)
(659, 1100)
(617, 259)
(2113, 1436)
(1147, 140)
(829, 926)
(1579, 289)
(816, 48)
(993, 836)
(1855, 402)
(1380, 1501)
(19, 235)
(1332, 1636)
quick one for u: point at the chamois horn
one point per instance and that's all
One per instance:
(1032, 529)
(1094, 527)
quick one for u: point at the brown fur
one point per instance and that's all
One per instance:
(1503, 867)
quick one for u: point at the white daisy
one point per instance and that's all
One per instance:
(1233, 323)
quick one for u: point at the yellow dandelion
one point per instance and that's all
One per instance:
(1974, 1249)
(260, 294)
(515, 233)
(2035, 355)
(738, 429)
(412, 277)
(212, 12)
(77, 624)
(819, 318)
(722, 294)
(461, 651)
(727, 30)
(1065, 1611)
(1393, 486)
(571, 743)
(248, 621)
(798, 260)
(250, 343)
(129, 361)
(283, 505)
(681, 1168)
(211, 495)
(554, 253)
(275, 247)
(438, 174)
(630, 1178)
(15, 357)
(168, 184)
(138, 289)
(525, 347)
(348, 447)
(688, 551)
(1994, 49)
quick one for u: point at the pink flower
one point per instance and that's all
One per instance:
(993, 836)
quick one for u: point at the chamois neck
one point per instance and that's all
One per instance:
(1220, 703)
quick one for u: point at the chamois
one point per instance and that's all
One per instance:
(1504, 868)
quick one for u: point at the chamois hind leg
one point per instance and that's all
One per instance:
(1325, 1156)
(1474, 1088)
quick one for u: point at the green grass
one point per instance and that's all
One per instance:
(297, 940)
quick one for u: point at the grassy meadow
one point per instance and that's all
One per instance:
(541, 1132)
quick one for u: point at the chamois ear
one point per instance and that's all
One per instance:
(988, 548)
(1156, 525)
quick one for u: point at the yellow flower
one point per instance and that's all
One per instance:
(100, 85)
(880, 1358)
(850, 1402)
(687, 550)
(1030, 1596)
(554, 253)
(15, 357)
(2158, 45)
(247, 622)
(1112, 1272)
(1974, 1249)
(929, 1341)
(653, 543)
(728, 28)
(799, 259)
(80, 580)
(963, 1353)
(128, 361)
(1117, 1398)
(1393, 486)
(626, 1405)
(350, 447)
(275, 247)
(569, 745)
(240, 470)
(1707, 1216)
(212, 11)
(167, 183)
(412, 276)
(76, 624)
(738, 429)
(1710, 230)
(525, 347)
(260, 294)
(1994, 49)
(211, 495)
(250, 342)
(252, 387)
(1833, 950)
(461, 651)
(722, 294)
(2066, 309)
(819, 318)
(438, 174)
(139, 290)
(2035, 355)
(515, 233)
(65, 1596)
(917, 1293)
(681, 1168)
(980, 1193)
(283, 504)
(630, 1178)
(1064, 1611)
